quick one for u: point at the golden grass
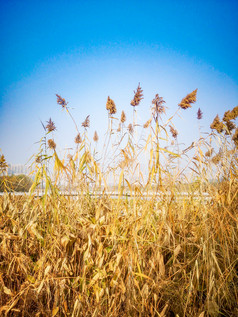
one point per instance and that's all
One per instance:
(155, 253)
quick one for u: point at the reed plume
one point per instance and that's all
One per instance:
(217, 124)
(78, 139)
(158, 103)
(130, 128)
(86, 123)
(138, 96)
(61, 101)
(95, 137)
(38, 159)
(230, 126)
(123, 117)
(209, 152)
(231, 114)
(147, 124)
(110, 106)
(51, 144)
(188, 100)
(173, 131)
(199, 114)
(50, 126)
(235, 137)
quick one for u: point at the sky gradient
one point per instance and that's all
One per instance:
(87, 50)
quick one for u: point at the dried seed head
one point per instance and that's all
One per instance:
(235, 137)
(138, 96)
(227, 116)
(217, 124)
(199, 114)
(130, 128)
(230, 126)
(3, 163)
(51, 144)
(50, 125)
(158, 104)
(86, 122)
(61, 101)
(173, 131)
(147, 124)
(38, 159)
(209, 153)
(230, 114)
(216, 159)
(69, 157)
(78, 139)
(234, 113)
(95, 137)
(188, 100)
(123, 117)
(110, 106)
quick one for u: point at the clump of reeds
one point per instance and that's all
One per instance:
(167, 251)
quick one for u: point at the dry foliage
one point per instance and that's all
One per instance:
(167, 252)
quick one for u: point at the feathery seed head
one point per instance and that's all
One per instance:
(138, 96)
(50, 125)
(86, 123)
(188, 100)
(110, 106)
(130, 128)
(95, 137)
(78, 139)
(199, 114)
(123, 117)
(227, 116)
(38, 159)
(234, 113)
(235, 137)
(51, 144)
(217, 124)
(230, 126)
(61, 101)
(209, 152)
(173, 131)
(216, 159)
(158, 104)
(147, 124)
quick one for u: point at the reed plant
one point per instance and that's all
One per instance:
(159, 243)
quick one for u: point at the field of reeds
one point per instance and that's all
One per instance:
(140, 227)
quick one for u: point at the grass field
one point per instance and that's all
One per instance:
(117, 256)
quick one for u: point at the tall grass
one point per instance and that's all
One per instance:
(165, 245)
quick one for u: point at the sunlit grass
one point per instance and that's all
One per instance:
(164, 243)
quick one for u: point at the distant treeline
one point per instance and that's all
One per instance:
(17, 183)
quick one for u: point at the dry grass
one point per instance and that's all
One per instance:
(163, 255)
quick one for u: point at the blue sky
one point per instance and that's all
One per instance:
(87, 50)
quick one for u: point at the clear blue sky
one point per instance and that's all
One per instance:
(87, 50)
